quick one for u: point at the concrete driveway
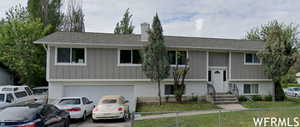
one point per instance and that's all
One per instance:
(102, 123)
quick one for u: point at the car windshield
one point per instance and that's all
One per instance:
(296, 89)
(40, 91)
(109, 101)
(1, 97)
(69, 102)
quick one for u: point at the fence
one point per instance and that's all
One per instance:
(220, 118)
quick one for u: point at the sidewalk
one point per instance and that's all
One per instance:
(225, 108)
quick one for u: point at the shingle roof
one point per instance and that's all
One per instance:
(109, 39)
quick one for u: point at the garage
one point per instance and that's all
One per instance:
(95, 92)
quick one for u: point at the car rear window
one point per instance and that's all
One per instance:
(109, 101)
(40, 91)
(1, 97)
(13, 114)
(69, 102)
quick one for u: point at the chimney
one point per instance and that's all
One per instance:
(145, 27)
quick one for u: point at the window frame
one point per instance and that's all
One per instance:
(176, 59)
(251, 89)
(252, 63)
(131, 52)
(71, 63)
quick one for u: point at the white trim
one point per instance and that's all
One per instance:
(217, 67)
(127, 64)
(178, 50)
(71, 64)
(229, 66)
(245, 63)
(48, 64)
(207, 65)
(117, 80)
(249, 80)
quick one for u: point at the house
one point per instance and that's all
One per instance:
(97, 64)
(5, 76)
(298, 77)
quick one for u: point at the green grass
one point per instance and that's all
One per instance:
(269, 104)
(228, 119)
(169, 107)
(291, 85)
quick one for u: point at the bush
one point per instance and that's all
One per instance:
(243, 98)
(268, 98)
(257, 98)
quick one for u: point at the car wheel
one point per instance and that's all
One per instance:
(94, 121)
(84, 116)
(67, 122)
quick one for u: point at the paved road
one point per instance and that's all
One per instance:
(103, 123)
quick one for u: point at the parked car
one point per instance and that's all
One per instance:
(34, 115)
(78, 107)
(12, 95)
(293, 91)
(41, 94)
(111, 107)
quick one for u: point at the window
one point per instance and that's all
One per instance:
(28, 91)
(224, 75)
(9, 98)
(130, 57)
(251, 58)
(177, 57)
(169, 90)
(250, 88)
(21, 94)
(209, 76)
(2, 97)
(71, 55)
(69, 102)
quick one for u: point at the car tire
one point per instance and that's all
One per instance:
(83, 116)
(67, 122)
(94, 121)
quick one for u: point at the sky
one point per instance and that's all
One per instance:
(197, 18)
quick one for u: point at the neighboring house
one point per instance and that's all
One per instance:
(298, 77)
(5, 76)
(97, 64)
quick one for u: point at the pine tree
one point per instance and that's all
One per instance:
(155, 62)
(125, 25)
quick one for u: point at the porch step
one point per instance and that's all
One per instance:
(226, 102)
(224, 98)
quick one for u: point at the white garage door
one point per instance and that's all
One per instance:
(94, 93)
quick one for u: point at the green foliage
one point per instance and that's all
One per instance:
(155, 61)
(256, 98)
(48, 11)
(280, 51)
(268, 98)
(243, 98)
(125, 25)
(289, 77)
(17, 50)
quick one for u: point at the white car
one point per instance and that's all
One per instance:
(293, 91)
(78, 107)
(41, 94)
(111, 107)
(13, 95)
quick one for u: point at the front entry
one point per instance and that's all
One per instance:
(218, 78)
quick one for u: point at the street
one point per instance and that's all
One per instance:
(102, 123)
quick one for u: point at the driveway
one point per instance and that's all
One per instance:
(103, 123)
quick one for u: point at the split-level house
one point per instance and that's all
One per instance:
(97, 64)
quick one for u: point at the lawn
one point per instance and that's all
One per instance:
(169, 107)
(291, 85)
(269, 104)
(228, 119)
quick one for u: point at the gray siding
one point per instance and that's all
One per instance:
(5, 77)
(102, 64)
(218, 59)
(241, 71)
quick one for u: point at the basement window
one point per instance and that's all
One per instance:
(251, 58)
(131, 56)
(70, 56)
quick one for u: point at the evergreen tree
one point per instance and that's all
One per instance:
(125, 25)
(280, 51)
(155, 62)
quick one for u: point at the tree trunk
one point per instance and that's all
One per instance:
(279, 94)
(159, 96)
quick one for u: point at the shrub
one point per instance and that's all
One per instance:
(257, 98)
(268, 98)
(243, 98)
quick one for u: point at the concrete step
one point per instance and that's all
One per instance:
(225, 102)
(226, 99)
(225, 96)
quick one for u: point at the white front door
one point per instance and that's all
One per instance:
(217, 79)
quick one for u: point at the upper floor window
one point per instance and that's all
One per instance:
(177, 57)
(71, 55)
(252, 58)
(130, 56)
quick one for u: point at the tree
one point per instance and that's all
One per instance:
(125, 25)
(179, 75)
(155, 62)
(74, 19)
(48, 11)
(279, 53)
(17, 50)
